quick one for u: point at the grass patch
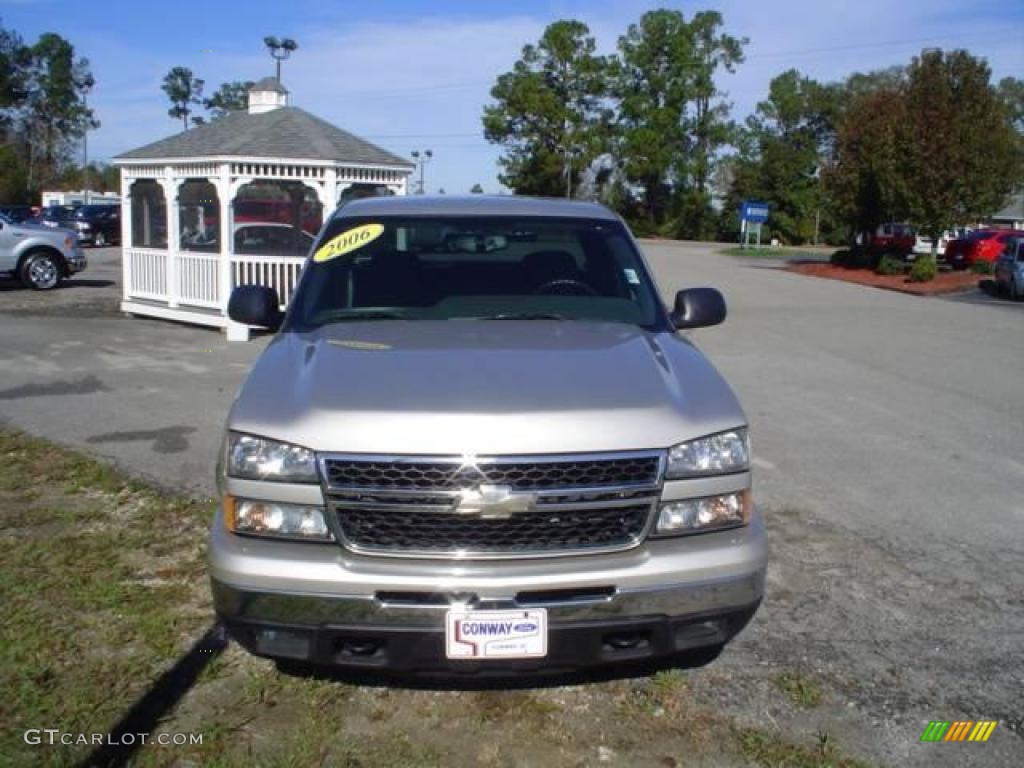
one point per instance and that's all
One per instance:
(766, 749)
(776, 253)
(104, 588)
(803, 690)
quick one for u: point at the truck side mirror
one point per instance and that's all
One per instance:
(698, 308)
(255, 305)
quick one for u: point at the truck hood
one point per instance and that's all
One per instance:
(484, 388)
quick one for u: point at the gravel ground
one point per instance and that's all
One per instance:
(888, 448)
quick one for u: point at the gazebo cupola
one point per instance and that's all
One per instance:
(266, 95)
(238, 200)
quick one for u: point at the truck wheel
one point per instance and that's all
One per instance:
(99, 240)
(41, 271)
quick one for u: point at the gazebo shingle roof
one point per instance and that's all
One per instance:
(287, 132)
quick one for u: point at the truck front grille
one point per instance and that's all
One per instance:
(417, 506)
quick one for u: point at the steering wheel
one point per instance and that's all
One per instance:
(565, 287)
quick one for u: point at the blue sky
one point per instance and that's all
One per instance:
(411, 75)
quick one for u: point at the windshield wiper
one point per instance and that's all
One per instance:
(525, 316)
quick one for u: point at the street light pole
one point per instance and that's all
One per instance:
(86, 87)
(422, 158)
(279, 51)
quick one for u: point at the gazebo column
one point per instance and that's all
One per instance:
(329, 198)
(226, 191)
(126, 236)
(170, 185)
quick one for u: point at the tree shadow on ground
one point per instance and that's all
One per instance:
(161, 698)
(13, 284)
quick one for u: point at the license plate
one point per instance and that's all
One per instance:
(496, 634)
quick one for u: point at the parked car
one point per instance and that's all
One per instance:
(39, 256)
(923, 244)
(56, 216)
(1009, 269)
(98, 225)
(17, 213)
(980, 245)
(478, 443)
(897, 239)
(270, 238)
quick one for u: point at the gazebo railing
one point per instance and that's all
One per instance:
(198, 279)
(146, 273)
(278, 272)
(193, 279)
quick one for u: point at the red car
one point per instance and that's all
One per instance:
(898, 239)
(980, 245)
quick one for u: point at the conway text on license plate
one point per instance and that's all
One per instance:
(496, 634)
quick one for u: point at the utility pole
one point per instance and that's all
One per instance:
(422, 158)
(279, 51)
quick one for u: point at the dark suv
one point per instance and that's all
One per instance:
(99, 225)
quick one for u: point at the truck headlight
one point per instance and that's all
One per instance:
(256, 458)
(719, 454)
(277, 520)
(730, 510)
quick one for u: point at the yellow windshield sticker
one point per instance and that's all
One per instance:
(348, 241)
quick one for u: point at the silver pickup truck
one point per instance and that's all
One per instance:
(39, 256)
(478, 444)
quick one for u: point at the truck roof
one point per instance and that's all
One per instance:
(474, 205)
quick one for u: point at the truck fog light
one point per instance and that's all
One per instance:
(271, 518)
(698, 515)
(278, 642)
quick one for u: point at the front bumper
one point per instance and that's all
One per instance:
(324, 605)
(76, 261)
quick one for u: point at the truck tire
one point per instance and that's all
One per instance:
(42, 270)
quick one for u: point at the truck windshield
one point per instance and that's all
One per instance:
(502, 268)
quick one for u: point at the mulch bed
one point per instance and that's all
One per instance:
(944, 282)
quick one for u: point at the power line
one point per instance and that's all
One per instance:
(863, 46)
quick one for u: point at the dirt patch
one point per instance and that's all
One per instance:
(944, 282)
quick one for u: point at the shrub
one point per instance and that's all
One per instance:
(890, 265)
(924, 270)
(982, 268)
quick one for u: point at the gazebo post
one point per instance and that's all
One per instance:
(169, 184)
(226, 195)
(126, 236)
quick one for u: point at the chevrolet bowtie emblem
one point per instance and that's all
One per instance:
(493, 502)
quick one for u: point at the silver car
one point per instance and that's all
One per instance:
(478, 444)
(1009, 269)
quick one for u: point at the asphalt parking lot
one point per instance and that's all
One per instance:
(889, 456)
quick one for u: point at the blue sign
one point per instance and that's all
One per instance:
(754, 212)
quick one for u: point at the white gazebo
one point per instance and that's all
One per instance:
(236, 201)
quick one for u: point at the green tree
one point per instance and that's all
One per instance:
(54, 116)
(865, 181)
(15, 57)
(183, 90)
(710, 125)
(549, 113)
(672, 121)
(963, 156)
(230, 97)
(1011, 91)
(787, 143)
(654, 84)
